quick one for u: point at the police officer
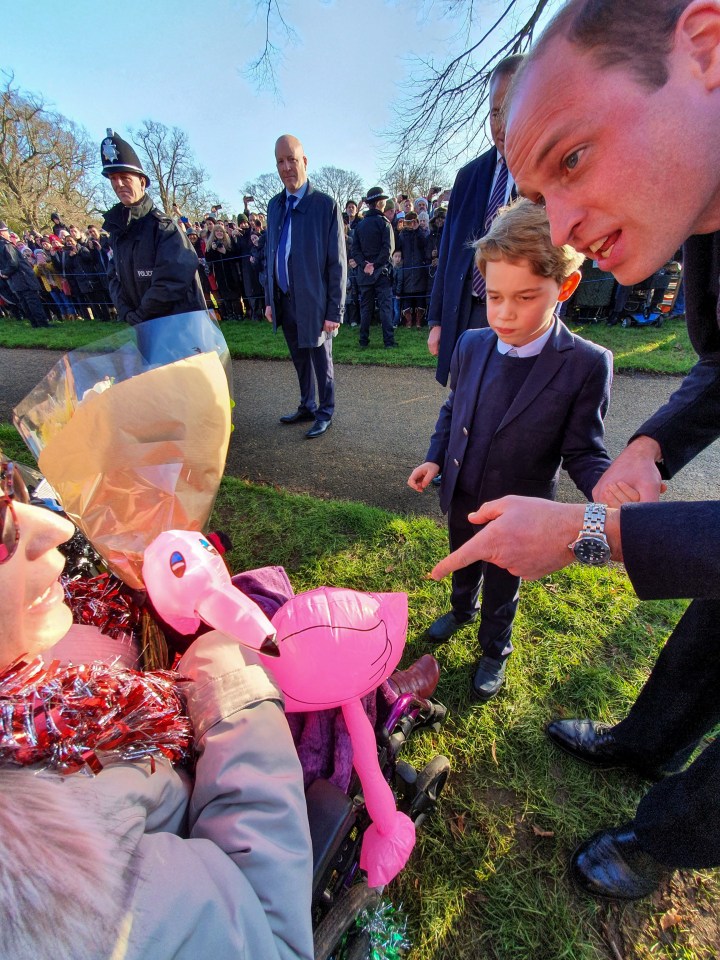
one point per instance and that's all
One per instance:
(154, 268)
(372, 249)
(21, 279)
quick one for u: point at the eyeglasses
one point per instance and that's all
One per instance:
(13, 488)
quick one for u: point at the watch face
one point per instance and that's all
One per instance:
(592, 550)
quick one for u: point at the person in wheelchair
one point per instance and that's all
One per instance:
(142, 860)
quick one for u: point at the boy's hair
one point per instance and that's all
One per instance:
(521, 231)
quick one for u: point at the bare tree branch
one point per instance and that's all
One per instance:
(46, 162)
(445, 113)
(176, 177)
(342, 185)
(263, 70)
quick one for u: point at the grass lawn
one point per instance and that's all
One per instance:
(643, 349)
(488, 879)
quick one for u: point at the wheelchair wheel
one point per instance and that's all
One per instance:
(335, 937)
(428, 787)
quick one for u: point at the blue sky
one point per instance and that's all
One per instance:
(182, 63)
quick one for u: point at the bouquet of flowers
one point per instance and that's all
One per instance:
(132, 433)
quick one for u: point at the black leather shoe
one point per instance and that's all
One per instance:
(613, 864)
(318, 429)
(298, 417)
(444, 627)
(391, 346)
(595, 743)
(489, 677)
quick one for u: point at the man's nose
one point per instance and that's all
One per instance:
(565, 219)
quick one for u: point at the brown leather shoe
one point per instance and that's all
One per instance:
(420, 678)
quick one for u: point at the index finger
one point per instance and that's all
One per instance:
(468, 553)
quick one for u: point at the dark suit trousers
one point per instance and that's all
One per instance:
(379, 293)
(500, 589)
(677, 821)
(311, 363)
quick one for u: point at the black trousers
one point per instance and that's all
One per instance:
(31, 306)
(311, 363)
(379, 293)
(678, 820)
(500, 589)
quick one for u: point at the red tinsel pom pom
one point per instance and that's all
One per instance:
(67, 717)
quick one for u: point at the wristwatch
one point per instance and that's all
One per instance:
(591, 546)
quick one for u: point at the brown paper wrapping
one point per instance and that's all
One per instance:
(144, 456)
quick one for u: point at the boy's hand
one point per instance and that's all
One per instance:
(434, 340)
(635, 468)
(618, 493)
(421, 476)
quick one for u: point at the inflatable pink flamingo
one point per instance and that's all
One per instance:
(332, 647)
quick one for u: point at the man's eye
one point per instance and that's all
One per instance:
(571, 161)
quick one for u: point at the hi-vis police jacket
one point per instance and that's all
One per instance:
(154, 268)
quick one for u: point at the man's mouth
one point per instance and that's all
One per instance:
(603, 247)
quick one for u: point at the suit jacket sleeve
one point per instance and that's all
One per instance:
(690, 420)
(440, 439)
(671, 549)
(583, 450)
(336, 268)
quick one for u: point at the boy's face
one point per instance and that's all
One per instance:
(520, 304)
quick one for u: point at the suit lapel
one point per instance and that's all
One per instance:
(546, 367)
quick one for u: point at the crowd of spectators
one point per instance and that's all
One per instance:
(71, 263)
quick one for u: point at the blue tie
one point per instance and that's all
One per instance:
(497, 198)
(283, 281)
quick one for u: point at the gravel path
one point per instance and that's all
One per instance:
(380, 432)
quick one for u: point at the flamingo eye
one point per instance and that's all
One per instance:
(177, 564)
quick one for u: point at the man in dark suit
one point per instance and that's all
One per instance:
(458, 295)
(305, 282)
(586, 129)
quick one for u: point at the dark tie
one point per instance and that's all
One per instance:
(497, 198)
(283, 281)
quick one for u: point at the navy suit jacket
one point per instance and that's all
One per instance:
(450, 302)
(318, 262)
(556, 418)
(671, 549)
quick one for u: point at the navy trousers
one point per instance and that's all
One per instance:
(312, 364)
(677, 820)
(500, 589)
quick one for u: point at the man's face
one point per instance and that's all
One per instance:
(129, 187)
(291, 164)
(412, 224)
(407, 206)
(69, 244)
(74, 232)
(351, 210)
(594, 145)
(93, 233)
(498, 91)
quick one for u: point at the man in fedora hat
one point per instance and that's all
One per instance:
(372, 249)
(154, 268)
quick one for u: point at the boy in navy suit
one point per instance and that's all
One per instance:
(527, 396)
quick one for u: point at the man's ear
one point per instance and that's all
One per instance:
(698, 30)
(569, 286)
